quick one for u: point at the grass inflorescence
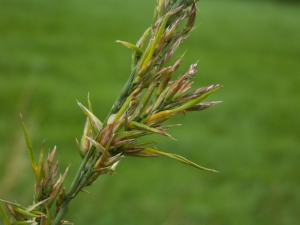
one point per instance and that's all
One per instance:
(151, 96)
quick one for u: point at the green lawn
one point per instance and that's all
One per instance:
(54, 52)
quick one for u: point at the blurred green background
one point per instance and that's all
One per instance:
(54, 52)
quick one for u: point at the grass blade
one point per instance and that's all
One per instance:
(30, 150)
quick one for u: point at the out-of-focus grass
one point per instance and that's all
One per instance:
(53, 52)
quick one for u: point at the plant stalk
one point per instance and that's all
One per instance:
(127, 89)
(73, 188)
(62, 212)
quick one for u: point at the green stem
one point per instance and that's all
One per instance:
(126, 91)
(79, 173)
(74, 188)
(62, 212)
